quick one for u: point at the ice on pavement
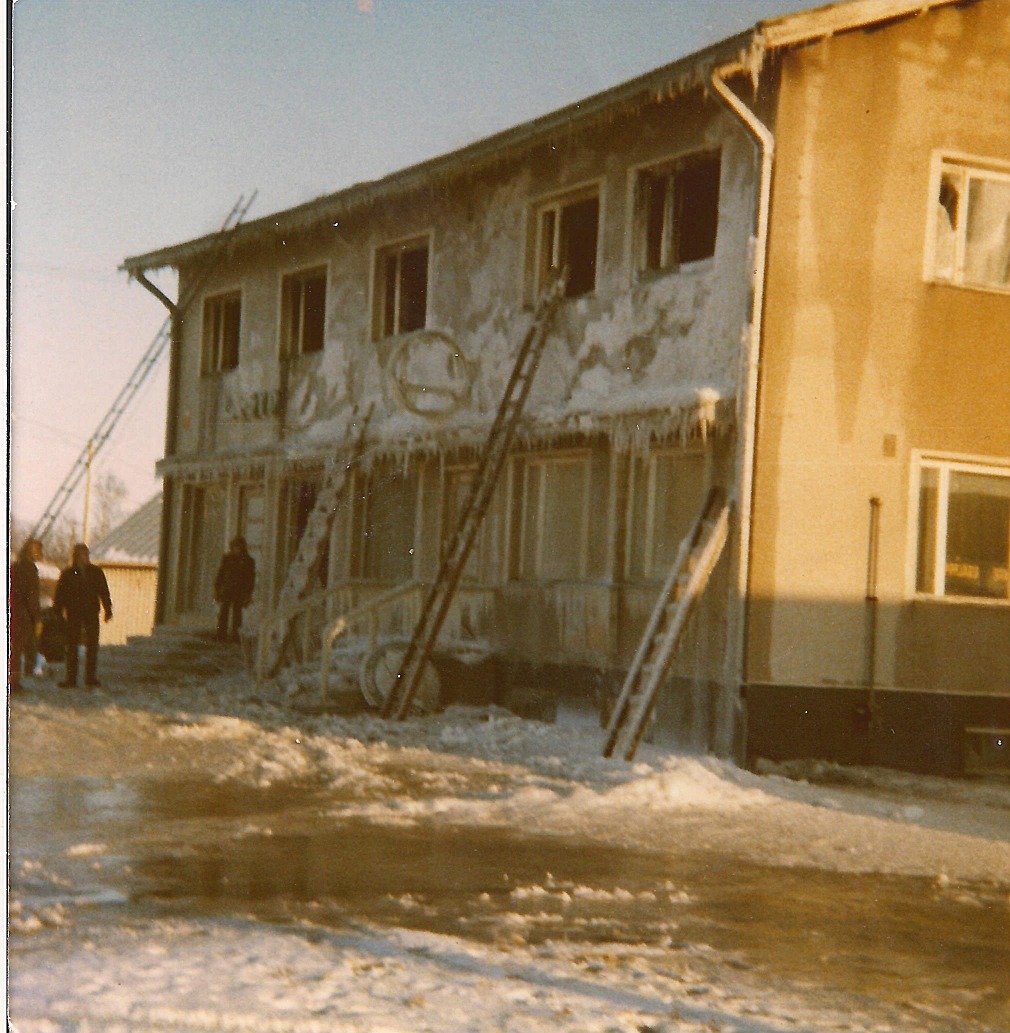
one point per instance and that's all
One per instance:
(81, 969)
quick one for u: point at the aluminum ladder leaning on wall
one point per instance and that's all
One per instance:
(277, 627)
(440, 595)
(697, 556)
(137, 377)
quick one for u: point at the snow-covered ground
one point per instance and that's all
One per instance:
(90, 776)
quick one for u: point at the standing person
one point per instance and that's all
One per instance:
(79, 592)
(24, 611)
(233, 587)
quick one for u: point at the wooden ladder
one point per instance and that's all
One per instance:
(307, 555)
(440, 595)
(697, 556)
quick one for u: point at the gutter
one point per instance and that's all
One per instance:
(171, 431)
(747, 415)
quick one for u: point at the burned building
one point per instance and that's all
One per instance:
(787, 285)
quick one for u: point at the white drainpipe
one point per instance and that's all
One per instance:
(748, 407)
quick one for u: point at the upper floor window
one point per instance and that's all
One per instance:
(303, 312)
(222, 320)
(401, 288)
(567, 233)
(963, 540)
(677, 212)
(970, 224)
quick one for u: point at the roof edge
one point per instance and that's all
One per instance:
(667, 81)
(818, 23)
(746, 50)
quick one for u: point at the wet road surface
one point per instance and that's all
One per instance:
(202, 848)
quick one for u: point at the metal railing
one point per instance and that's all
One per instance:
(371, 611)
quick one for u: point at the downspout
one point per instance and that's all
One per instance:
(747, 405)
(171, 433)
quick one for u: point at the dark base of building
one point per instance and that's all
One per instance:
(929, 733)
(923, 732)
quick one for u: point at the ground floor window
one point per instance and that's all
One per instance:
(252, 520)
(666, 493)
(963, 540)
(553, 506)
(297, 502)
(458, 489)
(385, 513)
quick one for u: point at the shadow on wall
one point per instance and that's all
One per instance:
(916, 686)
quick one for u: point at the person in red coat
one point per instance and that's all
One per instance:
(80, 591)
(233, 588)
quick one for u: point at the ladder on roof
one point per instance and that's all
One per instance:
(440, 595)
(149, 360)
(697, 556)
(309, 551)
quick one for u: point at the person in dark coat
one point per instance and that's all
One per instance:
(80, 591)
(24, 611)
(233, 587)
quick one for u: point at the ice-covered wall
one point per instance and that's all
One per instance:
(629, 359)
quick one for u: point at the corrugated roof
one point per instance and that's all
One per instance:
(135, 540)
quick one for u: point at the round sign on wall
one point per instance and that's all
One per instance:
(429, 374)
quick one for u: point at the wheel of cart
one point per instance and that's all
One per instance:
(379, 670)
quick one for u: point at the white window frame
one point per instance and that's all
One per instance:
(944, 463)
(666, 168)
(556, 203)
(539, 465)
(970, 166)
(378, 308)
(293, 349)
(650, 464)
(211, 333)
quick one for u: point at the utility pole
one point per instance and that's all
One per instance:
(87, 491)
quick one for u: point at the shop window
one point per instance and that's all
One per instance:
(970, 231)
(222, 320)
(677, 212)
(567, 233)
(666, 493)
(401, 289)
(303, 312)
(554, 518)
(385, 507)
(963, 540)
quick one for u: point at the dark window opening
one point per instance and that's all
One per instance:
(222, 320)
(568, 235)
(679, 212)
(305, 312)
(402, 273)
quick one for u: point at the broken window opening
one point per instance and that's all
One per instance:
(963, 535)
(678, 212)
(568, 232)
(222, 320)
(303, 313)
(971, 226)
(401, 289)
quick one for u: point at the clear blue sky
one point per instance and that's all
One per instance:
(137, 124)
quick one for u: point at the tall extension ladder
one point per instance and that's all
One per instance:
(147, 363)
(440, 594)
(309, 545)
(696, 558)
